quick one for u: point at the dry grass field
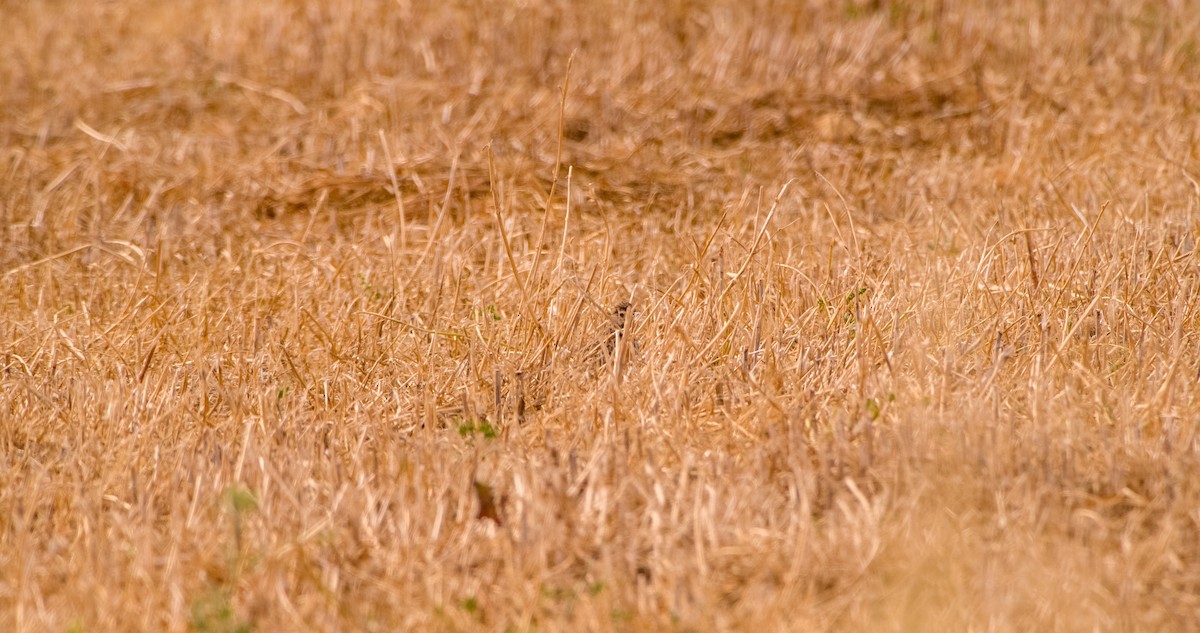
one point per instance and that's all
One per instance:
(692, 315)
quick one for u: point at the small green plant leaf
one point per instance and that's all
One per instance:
(873, 409)
(239, 500)
(212, 612)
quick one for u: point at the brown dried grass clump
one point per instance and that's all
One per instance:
(301, 306)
